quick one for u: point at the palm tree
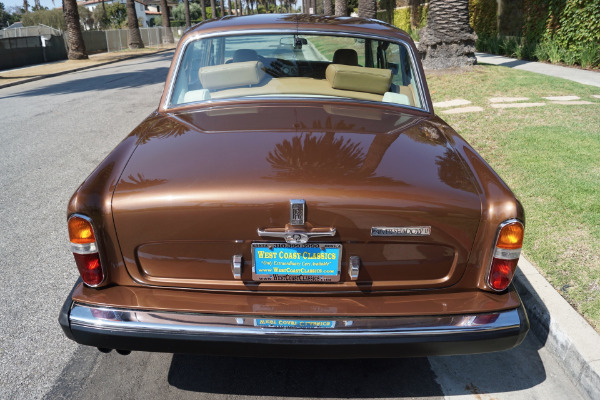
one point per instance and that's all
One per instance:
(76, 46)
(414, 13)
(327, 7)
(213, 9)
(186, 9)
(448, 40)
(166, 23)
(341, 8)
(367, 8)
(203, 8)
(135, 38)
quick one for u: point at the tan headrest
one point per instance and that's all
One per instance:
(359, 79)
(345, 56)
(231, 75)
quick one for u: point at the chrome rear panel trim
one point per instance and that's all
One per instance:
(161, 322)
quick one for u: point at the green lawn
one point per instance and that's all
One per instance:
(550, 157)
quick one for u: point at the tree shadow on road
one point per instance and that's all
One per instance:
(122, 80)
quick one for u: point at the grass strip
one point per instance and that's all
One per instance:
(550, 157)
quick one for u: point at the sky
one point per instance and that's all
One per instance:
(8, 4)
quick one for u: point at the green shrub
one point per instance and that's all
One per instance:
(483, 16)
(589, 55)
(541, 52)
(555, 53)
(525, 49)
(577, 25)
(402, 19)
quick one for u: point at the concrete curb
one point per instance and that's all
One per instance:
(40, 77)
(563, 332)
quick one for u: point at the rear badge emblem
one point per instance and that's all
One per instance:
(297, 212)
(401, 231)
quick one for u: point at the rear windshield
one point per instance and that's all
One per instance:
(288, 65)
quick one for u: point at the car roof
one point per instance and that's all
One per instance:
(299, 21)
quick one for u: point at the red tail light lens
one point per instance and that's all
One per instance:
(502, 273)
(507, 251)
(85, 250)
(89, 268)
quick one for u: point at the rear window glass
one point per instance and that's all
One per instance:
(288, 65)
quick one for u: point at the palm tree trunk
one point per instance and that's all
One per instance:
(414, 14)
(341, 8)
(76, 44)
(135, 38)
(203, 8)
(367, 8)
(186, 10)
(327, 7)
(166, 23)
(448, 40)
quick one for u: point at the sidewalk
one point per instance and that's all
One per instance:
(583, 76)
(40, 71)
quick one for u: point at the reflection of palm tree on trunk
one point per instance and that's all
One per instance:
(135, 38)
(330, 158)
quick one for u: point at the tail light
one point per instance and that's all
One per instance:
(85, 250)
(507, 250)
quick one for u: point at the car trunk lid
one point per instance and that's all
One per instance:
(200, 185)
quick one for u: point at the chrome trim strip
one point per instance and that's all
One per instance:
(295, 237)
(159, 322)
(420, 78)
(493, 251)
(95, 245)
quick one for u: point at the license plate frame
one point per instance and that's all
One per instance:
(300, 268)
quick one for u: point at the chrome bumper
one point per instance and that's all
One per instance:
(334, 337)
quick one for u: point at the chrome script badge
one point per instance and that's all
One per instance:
(401, 231)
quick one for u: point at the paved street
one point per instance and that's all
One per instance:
(53, 133)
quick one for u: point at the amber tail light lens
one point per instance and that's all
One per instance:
(85, 250)
(507, 251)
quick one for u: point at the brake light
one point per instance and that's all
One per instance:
(507, 251)
(85, 250)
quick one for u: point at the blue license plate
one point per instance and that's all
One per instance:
(284, 262)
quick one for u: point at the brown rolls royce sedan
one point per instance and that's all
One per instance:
(295, 195)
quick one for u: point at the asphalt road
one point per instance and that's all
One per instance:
(53, 132)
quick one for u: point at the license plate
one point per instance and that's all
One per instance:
(283, 262)
(293, 323)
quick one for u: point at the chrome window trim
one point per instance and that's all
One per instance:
(87, 249)
(171, 86)
(165, 322)
(493, 251)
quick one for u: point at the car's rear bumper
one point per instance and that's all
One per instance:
(341, 337)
